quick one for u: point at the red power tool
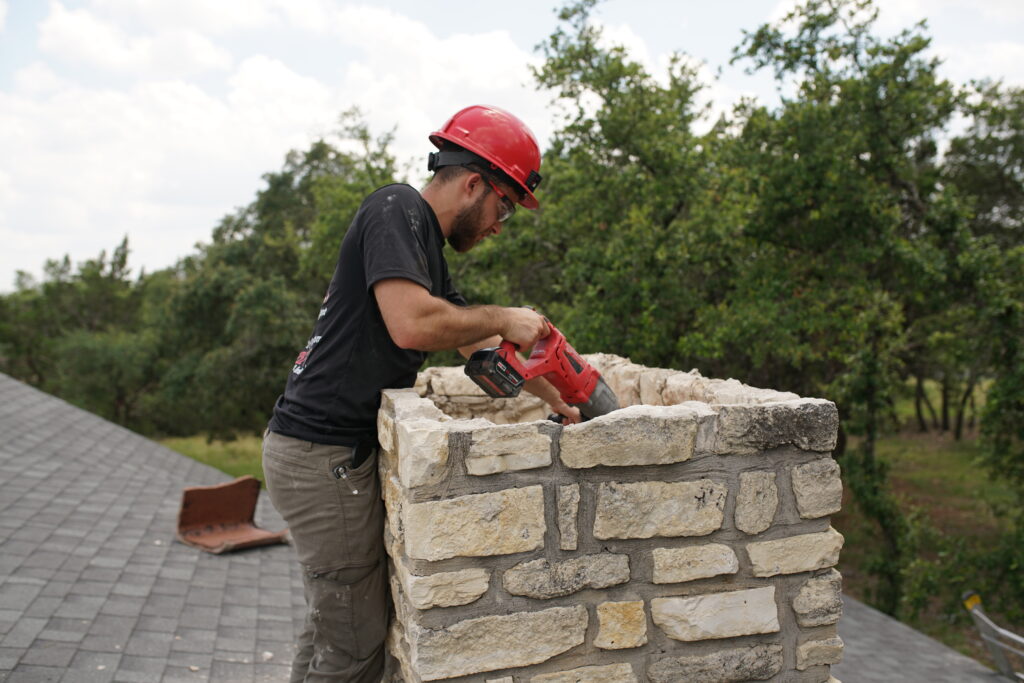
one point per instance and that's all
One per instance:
(499, 372)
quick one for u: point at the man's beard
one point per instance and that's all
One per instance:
(465, 232)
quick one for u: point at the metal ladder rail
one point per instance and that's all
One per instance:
(992, 634)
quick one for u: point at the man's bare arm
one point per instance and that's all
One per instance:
(418, 320)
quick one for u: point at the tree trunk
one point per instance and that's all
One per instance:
(963, 406)
(929, 406)
(946, 391)
(974, 413)
(919, 398)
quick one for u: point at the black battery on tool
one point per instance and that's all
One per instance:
(492, 373)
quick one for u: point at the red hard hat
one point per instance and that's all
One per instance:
(499, 138)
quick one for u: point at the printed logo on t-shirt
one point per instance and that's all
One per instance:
(323, 309)
(303, 358)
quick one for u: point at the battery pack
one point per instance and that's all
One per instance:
(494, 374)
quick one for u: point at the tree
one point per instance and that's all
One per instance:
(242, 305)
(847, 185)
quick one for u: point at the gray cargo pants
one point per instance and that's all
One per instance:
(336, 518)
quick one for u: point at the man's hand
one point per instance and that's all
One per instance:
(544, 390)
(572, 415)
(523, 327)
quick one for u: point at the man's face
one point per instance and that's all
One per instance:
(475, 222)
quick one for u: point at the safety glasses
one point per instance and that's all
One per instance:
(507, 207)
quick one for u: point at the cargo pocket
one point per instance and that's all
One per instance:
(362, 509)
(350, 618)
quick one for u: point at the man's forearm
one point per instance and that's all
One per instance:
(456, 327)
(418, 320)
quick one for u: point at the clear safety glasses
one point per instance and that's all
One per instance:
(507, 206)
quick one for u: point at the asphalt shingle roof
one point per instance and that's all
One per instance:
(94, 589)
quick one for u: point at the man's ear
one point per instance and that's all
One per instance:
(470, 182)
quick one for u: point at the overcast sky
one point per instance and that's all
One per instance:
(154, 118)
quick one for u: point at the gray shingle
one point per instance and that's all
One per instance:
(93, 586)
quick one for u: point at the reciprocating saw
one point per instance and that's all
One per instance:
(499, 372)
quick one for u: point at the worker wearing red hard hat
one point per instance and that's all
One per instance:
(391, 300)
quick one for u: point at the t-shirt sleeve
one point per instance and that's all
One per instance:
(392, 241)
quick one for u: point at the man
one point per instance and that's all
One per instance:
(390, 301)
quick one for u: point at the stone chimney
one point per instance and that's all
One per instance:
(685, 537)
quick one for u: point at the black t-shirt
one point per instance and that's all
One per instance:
(333, 391)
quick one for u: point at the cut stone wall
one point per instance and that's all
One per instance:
(685, 537)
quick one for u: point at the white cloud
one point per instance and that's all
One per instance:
(161, 161)
(3, 13)
(36, 79)
(219, 16)
(408, 77)
(1001, 60)
(80, 36)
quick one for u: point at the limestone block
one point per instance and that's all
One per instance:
(524, 408)
(647, 509)
(733, 392)
(399, 405)
(495, 642)
(544, 580)
(680, 387)
(393, 500)
(568, 512)
(421, 446)
(652, 385)
(613, 673)
(506, 448)
(752, 663)
(756, 502)
(397, 646)
(622, 625)
(624, 380)
(504, 679)
(604, 363)
(818, 652)
(717, 615)
(819, 602)
(810, 424)
(675, 565)
(818, 488)
(453, 381)
(422, 384)
(443, 589)
(637, 435)
(803, 553)
(498, 523)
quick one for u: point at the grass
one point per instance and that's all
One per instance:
(238, 457)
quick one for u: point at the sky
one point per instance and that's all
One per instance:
(152, 119)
